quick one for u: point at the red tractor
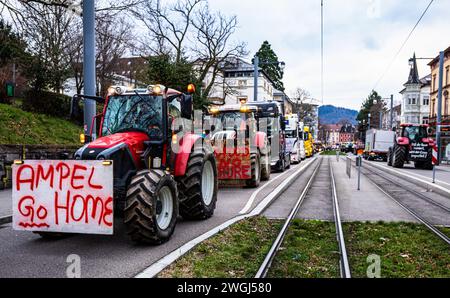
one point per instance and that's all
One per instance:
(242, 152)
(153, 183)
(412, 145)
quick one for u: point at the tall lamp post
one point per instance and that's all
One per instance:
(256, 64)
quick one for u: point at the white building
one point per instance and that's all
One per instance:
(236, 81)
(416, 97)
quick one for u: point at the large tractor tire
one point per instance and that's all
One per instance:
(265, 167)
(151, 207)
(255, 161)
(399, 158)
(198, 188)
(389, 157)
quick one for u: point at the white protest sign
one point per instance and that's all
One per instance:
(63, 196)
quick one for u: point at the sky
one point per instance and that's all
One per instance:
(361, 39)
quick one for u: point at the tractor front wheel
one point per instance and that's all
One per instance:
(198, 188)
(399, 158)
(151, 207)
(389, 157)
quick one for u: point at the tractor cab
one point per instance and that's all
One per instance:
(412, 145)
(242, 152)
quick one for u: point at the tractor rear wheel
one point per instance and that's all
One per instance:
(255, 162)
(265, 167)
(198, 188)
(151, 207)
(399, 159)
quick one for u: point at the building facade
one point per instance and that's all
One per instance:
(416, 97)
(347, 134)
(445, 109)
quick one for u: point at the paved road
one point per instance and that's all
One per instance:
(23, 254)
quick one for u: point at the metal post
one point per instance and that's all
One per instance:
(439, 109)
(89, 68)
(256, 75)
(392, 112)
(359, 164)
(14, 79)
(381, 120)
(434, 174)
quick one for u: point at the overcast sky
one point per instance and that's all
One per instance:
(361, 38)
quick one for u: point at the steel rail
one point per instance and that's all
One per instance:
(343, 262)
(266, 264)
(414, 192)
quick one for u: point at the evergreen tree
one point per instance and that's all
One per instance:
(270, 64)
(163, 69)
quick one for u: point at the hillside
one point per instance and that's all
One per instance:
(332, 115)
(20, 127)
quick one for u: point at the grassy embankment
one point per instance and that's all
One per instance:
(20, 127)
(310, 251)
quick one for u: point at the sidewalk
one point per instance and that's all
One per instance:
(5, 203)
(368, 204)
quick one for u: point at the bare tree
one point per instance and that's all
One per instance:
(302, 107)
(168, 26)
(213, 47)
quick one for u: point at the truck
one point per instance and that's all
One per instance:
(378, 143)
(294, 139)
(412, 144)
(242, 152)
(308, 141)
(271, 119)
(145, 167)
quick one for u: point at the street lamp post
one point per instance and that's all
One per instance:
(89, 68)
(439, 111)
(256, 64)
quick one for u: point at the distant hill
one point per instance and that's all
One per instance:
(332, 115)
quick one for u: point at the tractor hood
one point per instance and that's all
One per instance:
(132, 139)
(109, 146)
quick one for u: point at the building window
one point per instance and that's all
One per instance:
(446, 74)
(426, 100)
(434, 83)
(425, 121)
(242, 83)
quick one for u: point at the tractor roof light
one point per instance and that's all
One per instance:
(191, 88)
(155, 89)
(214, 111)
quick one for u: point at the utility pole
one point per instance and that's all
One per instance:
(255, 77)
(439, 109)
(89, 69)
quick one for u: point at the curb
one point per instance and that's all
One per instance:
(5, 220)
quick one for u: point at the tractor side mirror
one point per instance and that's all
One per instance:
(186, 106)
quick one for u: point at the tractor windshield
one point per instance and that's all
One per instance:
(232, 120)
(134, 113)
(415, 133)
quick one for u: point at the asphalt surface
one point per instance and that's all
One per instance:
(24, 254)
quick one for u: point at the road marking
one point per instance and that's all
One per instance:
(446, 190)
(167, 260)
(252, 198)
